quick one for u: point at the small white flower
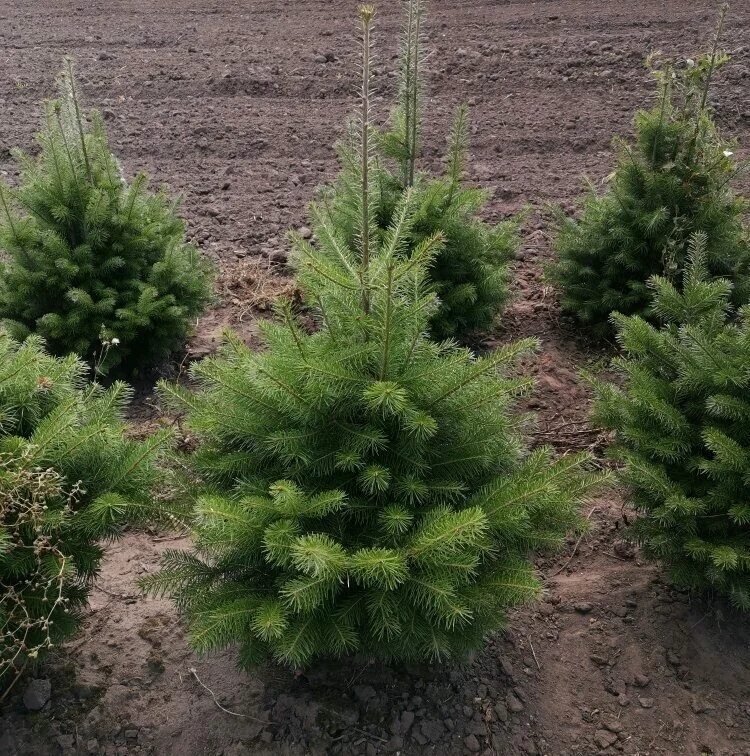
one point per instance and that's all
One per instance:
(690, 62)
(728, 153)
(115, 341)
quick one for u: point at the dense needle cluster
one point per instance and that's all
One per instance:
(362, 488)
(671, 182)
(68, 478)
(682, 422)
(93, 265)
(470, 272)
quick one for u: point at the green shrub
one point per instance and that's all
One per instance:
(95, 266)
(682, 422)
(362, 488)
(470, 272)
(68, 477)
(672, 182)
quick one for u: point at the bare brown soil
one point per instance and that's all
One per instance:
(231, 104)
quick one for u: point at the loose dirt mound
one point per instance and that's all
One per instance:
(235, 105)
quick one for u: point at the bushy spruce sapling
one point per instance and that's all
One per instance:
(93, 265)
(682, 423)
(672, 181)
(362, 489)
(68, 478)
(470, 272)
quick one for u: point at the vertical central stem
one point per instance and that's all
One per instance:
(415, 96)
(714, 51)
(366, 13)
(408, 83)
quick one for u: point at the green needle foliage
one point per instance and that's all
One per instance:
(683, 429)
(470, 272)
(672, 182)
(363, 489)
(68, 478)
(93, 265)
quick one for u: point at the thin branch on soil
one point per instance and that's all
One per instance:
(194, 673)
(533, 653)
(656, 737)
(575, 548)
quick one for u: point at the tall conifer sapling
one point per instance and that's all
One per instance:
(671, 183)
(470, 272)
(362, 489)
(682, 423)
(93, 265)
(68, 479)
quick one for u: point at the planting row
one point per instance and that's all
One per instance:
(365, 486)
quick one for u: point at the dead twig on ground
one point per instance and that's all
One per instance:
(577, 544)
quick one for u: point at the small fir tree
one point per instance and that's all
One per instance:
(672, 182)
(362, 488)
(93, 262)
(470, 272)
(68, 478)
(682, 422)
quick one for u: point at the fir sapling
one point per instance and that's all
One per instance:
(68, 479)
(470, 273)
(682, 425)
(93, 265)
(362, 489)
(672, 181)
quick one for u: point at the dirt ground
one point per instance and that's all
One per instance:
(236, 105)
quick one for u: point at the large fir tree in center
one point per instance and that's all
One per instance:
(363, 489)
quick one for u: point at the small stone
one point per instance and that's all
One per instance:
(624, 549)
(108, 114)
(407, 720)
(507, 668)
(501, 712)
(640, 680)
(646, 703)
(363, 693)
(320, 59)
(130, 734)
(395, 744)
(604, 738)
(304, 232)
(432, 729)
(472, 744)
(583, 607)
(513, 703)
(599, 660)
(37, 694)
(699, 706)
(613, 725)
